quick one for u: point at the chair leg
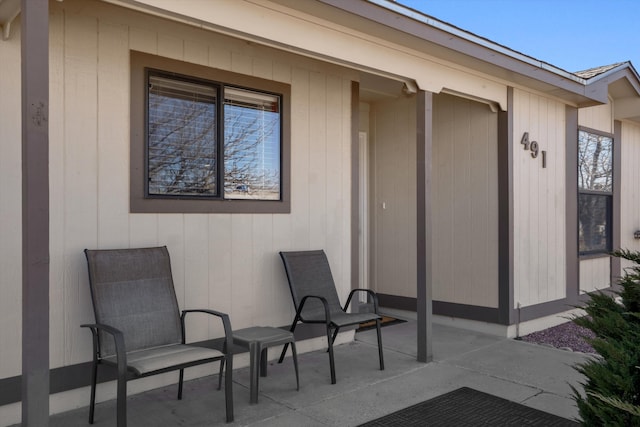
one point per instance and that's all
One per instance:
(335, 335)
(220, 374)
(92, 404)
(284, 349)
(331, 362)
(228, 389)
(380, 345)
(180, 381)
(295, 364)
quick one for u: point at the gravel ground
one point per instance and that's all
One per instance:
(567, 336)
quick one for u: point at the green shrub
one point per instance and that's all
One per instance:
(612, 389)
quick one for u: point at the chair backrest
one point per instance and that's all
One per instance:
(309, 273)
(132, 290)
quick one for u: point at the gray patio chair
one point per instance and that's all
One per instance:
(316, 300)
(139, 328)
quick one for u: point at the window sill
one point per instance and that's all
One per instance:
(142, 205)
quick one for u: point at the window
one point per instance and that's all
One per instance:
(595, 192)
(182, 142)
(251, 145)
(206, 140)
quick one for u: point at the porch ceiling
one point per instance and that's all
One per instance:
(376, 88)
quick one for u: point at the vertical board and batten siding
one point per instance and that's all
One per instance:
(227, 262)
(10, 206)
(393, 214)
(630, 187)
(595, 273)
(599, 117)
(539, 230)
(465, 202)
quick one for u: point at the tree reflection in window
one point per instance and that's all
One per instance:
(183, 152)
(182, 142)
(595, 187)
(251, 145)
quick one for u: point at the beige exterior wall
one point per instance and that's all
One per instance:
(228, 262)
(599, 117)
(630, 186)
(539, 201)
(465, 202)
(595, 273)
(393, 201)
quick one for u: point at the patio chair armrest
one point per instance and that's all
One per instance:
(325, 304)
(226, 324)
(118, 338)
(374, 297)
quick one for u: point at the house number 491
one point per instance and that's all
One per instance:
(534, 148)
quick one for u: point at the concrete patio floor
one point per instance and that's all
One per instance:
(534, 375)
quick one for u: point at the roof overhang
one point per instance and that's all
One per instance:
(411, 29)
(399, 24)
(407, 28)
(622, 84)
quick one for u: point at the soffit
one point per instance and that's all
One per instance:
(622, 88)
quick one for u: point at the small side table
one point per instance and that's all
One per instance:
(257, 339)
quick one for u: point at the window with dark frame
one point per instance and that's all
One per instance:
(186, 120)
(595, 192)
(206, 140)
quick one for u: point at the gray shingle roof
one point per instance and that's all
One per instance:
(593, 72)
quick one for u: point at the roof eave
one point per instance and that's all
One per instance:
(499, 60)
(623, 71)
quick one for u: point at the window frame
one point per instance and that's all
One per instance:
(140, 202)
(610, 196)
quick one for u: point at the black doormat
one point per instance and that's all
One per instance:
(468, 407)
(386, 321)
